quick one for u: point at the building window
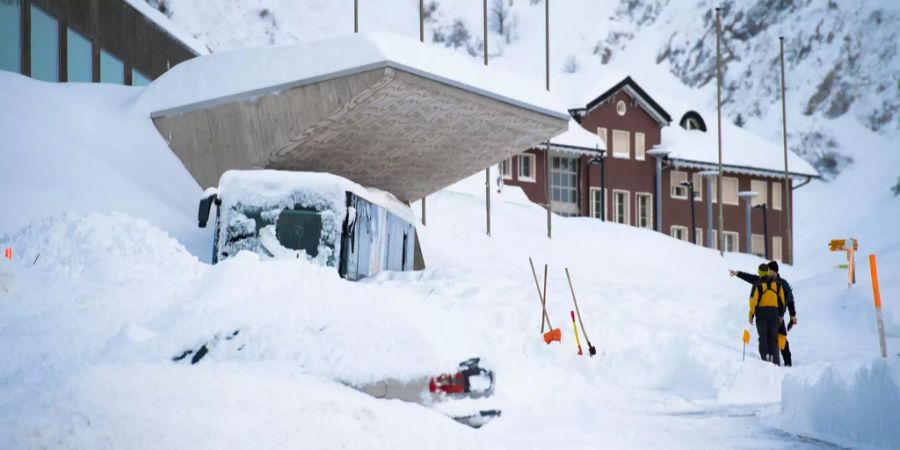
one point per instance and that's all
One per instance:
(639, 146)
(731, 242)
(10, 36)
(644, 204)
(564, 185)
(692, 124)
(730, 191)
(675, 179)
(621, 144)
(698, 186)
(621, 207)
(138, 79)
(758, 245)
(776, 248)
(679, 232)
(111, 69)
(699, 233)
(526, 167)
(597, 203)
(601, 133)
(715, 239)
(776, 195)
(78, 57)
(44, 45)
(621, 108)
(759, 186)
(506, 169)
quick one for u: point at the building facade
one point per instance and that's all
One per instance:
(101, 41)
(623, 188)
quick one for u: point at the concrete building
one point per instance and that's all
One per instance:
(623, 187)
(102, 41)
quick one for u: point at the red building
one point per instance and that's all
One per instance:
(618, 181)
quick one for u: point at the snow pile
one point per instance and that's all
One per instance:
(853, 405)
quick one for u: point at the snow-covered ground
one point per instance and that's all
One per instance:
(96, 304)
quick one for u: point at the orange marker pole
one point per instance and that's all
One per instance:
(876, 292)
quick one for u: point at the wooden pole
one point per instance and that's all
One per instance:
(876, 292)
(547, 86)
(721, 236)
(356, 16)
(487, 172)
(422, 39)
(788, 190)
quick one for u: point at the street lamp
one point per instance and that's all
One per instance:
(690, 186)
(599, 160)
(660, 154)
(748, 197)
(710, 177)
(765, 210)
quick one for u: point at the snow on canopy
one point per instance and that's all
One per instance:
(577, 136)
(227, 75)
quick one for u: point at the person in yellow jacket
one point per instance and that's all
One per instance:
(767, 306)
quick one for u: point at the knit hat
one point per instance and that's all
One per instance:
(773, 266)
(763, 269)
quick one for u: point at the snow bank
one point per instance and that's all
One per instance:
(853, 405)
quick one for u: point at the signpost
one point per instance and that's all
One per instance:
(850, 246)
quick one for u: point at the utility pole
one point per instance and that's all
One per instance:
(547, 86)
(422, 40)
(788, 190)
(721, 236)
(487, 172)
(355, 16)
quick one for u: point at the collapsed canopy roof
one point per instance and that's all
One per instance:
(381, 110)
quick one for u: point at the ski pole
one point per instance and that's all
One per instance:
(591, 350)
(575, 328)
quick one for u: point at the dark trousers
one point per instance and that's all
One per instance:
(767, 327)
(786, 352)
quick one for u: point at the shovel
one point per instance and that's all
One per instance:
(746, 338)
(591, 349)
(553, 334)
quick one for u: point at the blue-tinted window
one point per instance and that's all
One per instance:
(111, 69)
(10, 36)
(138, 79)
(78, 57)
(44, 45)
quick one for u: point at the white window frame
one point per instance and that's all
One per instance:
(559, 206)
(618, 154)
(681, 228)
(699, 232)
(621, 107)
(601, 132)
(737, 240)
(699, 186)
(674, 185)
(637, 216)
(528, 178)
(627, 196)
(736, 190)
(506, 171)
(640, 146)
(761, 188)
(777, 249)
(755, 241)
(715, 241)
(594, 191)
(777, 189)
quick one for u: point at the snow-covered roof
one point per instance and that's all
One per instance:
(577, 137)
(163, 22)
(246, 73)
(259, 186)
(742, 151)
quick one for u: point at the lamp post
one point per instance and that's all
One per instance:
(690, 186)
(599, 160)
(765, 210)
(710, 177)
(748, 197)
(660, 154)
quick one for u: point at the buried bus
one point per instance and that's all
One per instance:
(321, 217)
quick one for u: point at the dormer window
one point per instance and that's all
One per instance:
(620, 108)
(691, 120)
(692, 124)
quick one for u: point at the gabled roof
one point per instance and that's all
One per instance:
(638, 93)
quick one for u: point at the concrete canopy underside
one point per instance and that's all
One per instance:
(384, 128)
